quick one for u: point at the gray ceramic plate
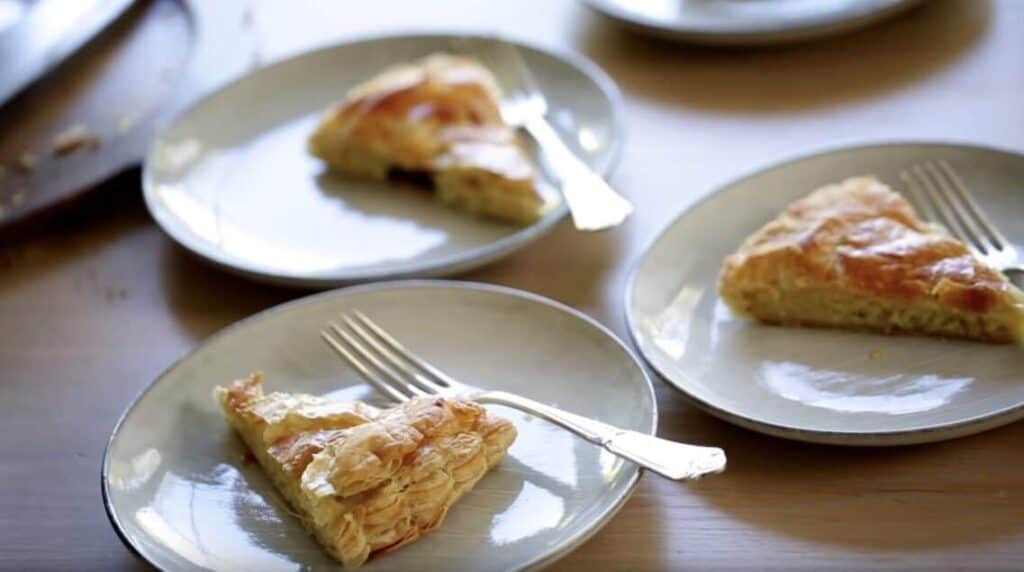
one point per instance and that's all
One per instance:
(821, 385)
(748, 22)
(231, 180)
(178, 493)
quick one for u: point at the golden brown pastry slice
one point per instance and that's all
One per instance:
(434, 121)
(366, 480)
(854, 255)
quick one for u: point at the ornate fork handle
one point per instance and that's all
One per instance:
(677, 461)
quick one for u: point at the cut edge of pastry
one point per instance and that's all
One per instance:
(234, 401)
(485, 193)
(826, 308)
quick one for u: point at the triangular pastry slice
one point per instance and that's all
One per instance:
(855, 255)
(366, 480)
(435, 121)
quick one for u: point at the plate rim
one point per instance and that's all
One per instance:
(947, 431)
(752, 36)
(445, 266)
(544, 559)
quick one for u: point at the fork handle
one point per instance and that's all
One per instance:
(676, 461)
(593, 203)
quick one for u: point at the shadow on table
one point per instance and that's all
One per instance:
(958, 492)
(88, 225)
(867, 63)
(204, 299)
(569, 266)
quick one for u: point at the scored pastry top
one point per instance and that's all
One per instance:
(412, 112)
(860, 234)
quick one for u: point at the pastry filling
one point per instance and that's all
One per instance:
(418, 178)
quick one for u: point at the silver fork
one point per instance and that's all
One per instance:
(401, 375)
(593, 203)
(943, 197)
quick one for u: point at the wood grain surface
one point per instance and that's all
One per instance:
(96, 303)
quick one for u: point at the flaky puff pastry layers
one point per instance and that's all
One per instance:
(438, 120)
(366, 480)
(855, 255)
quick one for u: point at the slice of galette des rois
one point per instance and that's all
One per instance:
(855, 255)
(366, 480)
(437, 122)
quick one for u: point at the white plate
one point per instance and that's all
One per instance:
(231, 180)
(821, 385)
(177, 492)
(748, 22)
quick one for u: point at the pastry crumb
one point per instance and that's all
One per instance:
(126, 121)
(26, 162)
(111, 294)
(877, 354)
(74, 138)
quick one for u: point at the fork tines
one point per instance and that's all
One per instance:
(382, 360)
(941, 196)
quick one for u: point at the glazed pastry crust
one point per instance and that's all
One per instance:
(366, 480)
(855, 255)
(437, 117)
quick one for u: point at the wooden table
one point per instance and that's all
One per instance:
(97, 303)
